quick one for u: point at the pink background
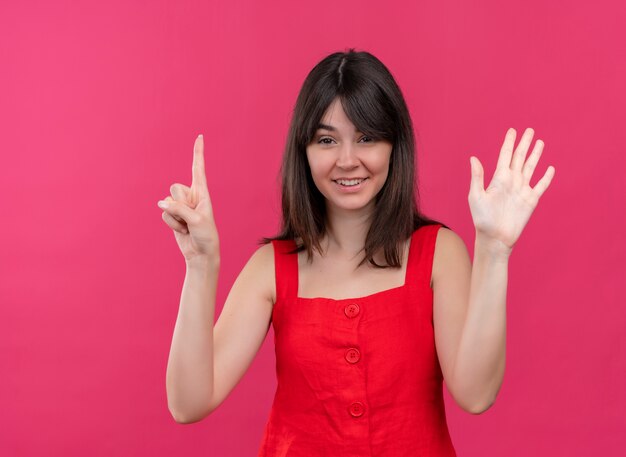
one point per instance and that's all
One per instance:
(100, 103)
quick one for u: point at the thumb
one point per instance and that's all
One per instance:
(477, 184)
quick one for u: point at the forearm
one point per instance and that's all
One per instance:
(480, 360)
(189, 377)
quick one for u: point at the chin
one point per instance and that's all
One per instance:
(354, 207)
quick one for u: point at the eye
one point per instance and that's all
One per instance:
(369, 138)
(323, 140)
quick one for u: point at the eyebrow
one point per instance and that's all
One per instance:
(330, 128)
(326, 127)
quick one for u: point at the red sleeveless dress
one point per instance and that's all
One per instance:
(358, 376)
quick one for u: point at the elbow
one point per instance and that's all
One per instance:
(472, 403)
(188, 418)
(178, 417)
(183, 414)
(184, 419)
(475, 400)
(477, 407)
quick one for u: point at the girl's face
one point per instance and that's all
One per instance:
(348, 167)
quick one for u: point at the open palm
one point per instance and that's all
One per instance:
(501, 211)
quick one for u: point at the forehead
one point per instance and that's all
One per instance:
(335, 118)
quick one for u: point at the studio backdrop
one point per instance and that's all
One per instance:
(100, 104)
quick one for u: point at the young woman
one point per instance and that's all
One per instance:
(373, 304)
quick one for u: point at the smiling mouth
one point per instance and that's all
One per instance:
(349, 182)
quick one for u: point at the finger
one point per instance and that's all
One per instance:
(198, 179)
(522, 149)
(181, 193)
(179, 211)
(506, 151)
(170, 199)
(477, 183)
(174, 224)
(544, 182)
(531, 163)
(186, 191)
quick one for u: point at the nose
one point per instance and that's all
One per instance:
(347, 156)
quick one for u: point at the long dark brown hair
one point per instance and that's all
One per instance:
(374, 103)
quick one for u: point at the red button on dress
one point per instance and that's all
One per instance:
(357, 377)
(357, 409)
(353, 355)
(352, 310)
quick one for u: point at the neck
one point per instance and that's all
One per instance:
(346, 232)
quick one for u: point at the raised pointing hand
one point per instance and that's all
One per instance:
(190, 213)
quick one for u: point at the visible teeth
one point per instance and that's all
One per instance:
(350, 182)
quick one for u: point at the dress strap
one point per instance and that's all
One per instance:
(286, 268)
(421, 253)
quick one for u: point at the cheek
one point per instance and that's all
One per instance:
(317, 166)
(382, 162)
(383, 167)
(316, 171)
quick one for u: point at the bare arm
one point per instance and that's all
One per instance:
(470, 300)
(206, 362)
(470, 319)
(189, 377)
(480, 359)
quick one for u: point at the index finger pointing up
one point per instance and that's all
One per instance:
(198, 178)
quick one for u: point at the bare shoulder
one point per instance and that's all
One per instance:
(261, 265)
(450, 252)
